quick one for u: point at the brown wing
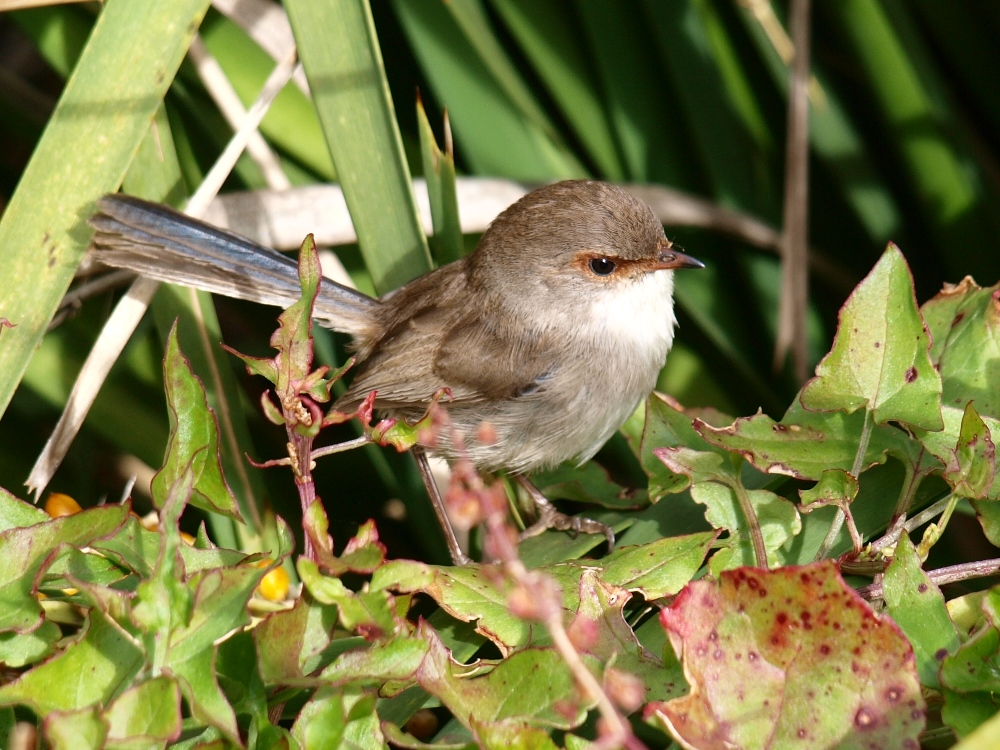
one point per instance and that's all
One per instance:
(476, 361)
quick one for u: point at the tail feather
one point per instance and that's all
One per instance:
(163, 244)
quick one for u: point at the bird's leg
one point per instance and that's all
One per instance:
(454, 549)
(550, 518)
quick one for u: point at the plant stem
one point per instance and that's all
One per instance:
(753, 524)
(942, 576)
(859, 460)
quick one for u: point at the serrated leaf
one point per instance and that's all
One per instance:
(194, 439)
(918, 607)
(879, 360)
(789, 658)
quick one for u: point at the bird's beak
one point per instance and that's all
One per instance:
(671, 258)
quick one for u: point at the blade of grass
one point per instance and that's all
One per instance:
(351, 95)
(551, 42)
(439, 174)
(102, 116)
(493, 135)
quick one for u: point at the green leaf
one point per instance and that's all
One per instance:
(439, 173)
(835, 487)
(879, 359)
(149, 712)
(966, 448)
(803, 444)
(24, 552)
(666, 426)
(779, 521)
(918, 607)
(82, 674)
(825, 670)
(975, 666)
(18, 650)
(370, 613)
(194, 439)
(290, 642)
(601, 616)
(348, 85)
(467, 593)
(15, 513)
(964, 321)
(589, 483)
(659, 569)
(84, 729)
(339, 718)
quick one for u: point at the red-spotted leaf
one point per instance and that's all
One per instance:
(790, 658)
(879, 360)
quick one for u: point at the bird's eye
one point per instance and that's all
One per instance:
(602, 266)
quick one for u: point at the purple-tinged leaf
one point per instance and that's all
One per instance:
(789, 658)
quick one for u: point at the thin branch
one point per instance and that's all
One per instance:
(943, 576)
(795, 241)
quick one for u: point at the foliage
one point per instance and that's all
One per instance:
(793, 607)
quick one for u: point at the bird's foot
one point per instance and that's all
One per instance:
(550, 518)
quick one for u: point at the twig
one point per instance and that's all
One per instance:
(942, 576)
(795, 240)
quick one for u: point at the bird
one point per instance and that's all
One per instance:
(551, 331)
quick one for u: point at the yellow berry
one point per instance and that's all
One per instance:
(274, 585)
(188, 539)
(59, 505)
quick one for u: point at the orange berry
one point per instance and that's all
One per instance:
(59, 505)
(188, 539)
